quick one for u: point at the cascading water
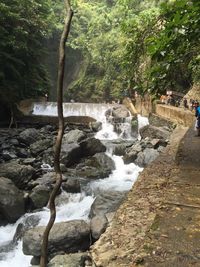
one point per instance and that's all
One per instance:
(74, 206)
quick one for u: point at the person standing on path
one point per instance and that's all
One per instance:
(197, 115)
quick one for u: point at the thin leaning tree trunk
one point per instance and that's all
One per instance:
(61, 67)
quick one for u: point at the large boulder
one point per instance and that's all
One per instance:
(154, 132)
(11, 201)
(74, 136)
(147, 156)
(91, 146)
(40, 146)
(29, 136)
(39, 196)
(98, 226)
(28, 223)
(120, 112)
(96, 167)
(19, 174)
(106, 202)
(68, 237)
(70, 154)
(70, 260)
(131, 153)
(72, 186)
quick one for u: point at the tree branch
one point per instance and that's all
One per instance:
(57, 148)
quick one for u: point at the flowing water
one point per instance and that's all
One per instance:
(74, 206)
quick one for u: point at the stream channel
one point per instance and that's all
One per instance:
(77, 205)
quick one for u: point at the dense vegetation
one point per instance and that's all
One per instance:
(24, 24)
(124, 45)
(131, 44)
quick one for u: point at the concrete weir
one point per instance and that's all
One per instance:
(46, 112)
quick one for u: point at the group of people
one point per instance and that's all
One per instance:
(197, 115)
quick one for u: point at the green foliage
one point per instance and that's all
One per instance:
(134, 44)
(174, 49)
(24, 24)
(120, 45)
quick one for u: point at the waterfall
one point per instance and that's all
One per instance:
(75, 206)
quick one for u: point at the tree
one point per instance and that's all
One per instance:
(61, 68)
(24, 24)
(174, 49)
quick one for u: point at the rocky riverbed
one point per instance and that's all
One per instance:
(27, 177)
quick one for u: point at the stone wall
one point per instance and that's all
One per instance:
(176, 115)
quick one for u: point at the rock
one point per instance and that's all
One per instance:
(130, 157)
(106, 202)
(68, 237)
(29, 136)
(120, 112)
(119, 149)
(91, 146)
(72, 186)
(46, 180)
(22, 152)
(8, 155)
(14, 141)
(30, 222)
(150, 155)
(70, 154)
(11, 200)
(74, 136)
(69, 260)
(40, 146)
(19, 174)
(146, 157)
(98, 226)
(39, 196)
(131, 153)
(35, 261)
(97, 167)
(96, 126)
(154, 132)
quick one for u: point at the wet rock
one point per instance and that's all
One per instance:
(98, 226)
(106, 202)
(72, 186)
(154, 132)
(96, 126)
(91, 146)
(70, 260)
(11, 200)
(119, 149)
(131, 153)
(146, 157)
(39, 196)
(19, 174)
(29, 136)
(120, 112)
(40, 146)
(8, 155)
(96, 167)
(68, 237)
(70, 154)
(22, 153)
(74, 136)
(30, 222)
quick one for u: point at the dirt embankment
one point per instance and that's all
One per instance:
(158, 223)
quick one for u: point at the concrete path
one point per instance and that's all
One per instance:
(159, 223)
(174, 238)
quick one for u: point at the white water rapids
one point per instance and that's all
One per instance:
(74, 206)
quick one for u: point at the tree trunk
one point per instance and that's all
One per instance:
(57, 149)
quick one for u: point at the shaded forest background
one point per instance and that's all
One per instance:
(115, 47)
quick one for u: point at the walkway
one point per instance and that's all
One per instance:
(159, 223)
